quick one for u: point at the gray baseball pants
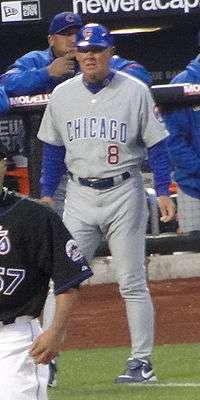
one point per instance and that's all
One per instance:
(118, 214)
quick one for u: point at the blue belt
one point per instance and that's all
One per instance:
(103, 183)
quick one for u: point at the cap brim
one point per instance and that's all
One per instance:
(86, 45)
(64, 31)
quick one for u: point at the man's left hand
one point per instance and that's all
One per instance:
(167, 208)
(46, 346)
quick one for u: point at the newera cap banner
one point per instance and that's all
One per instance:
(135, 8)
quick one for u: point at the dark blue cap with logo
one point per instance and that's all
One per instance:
(94, 35)
(64, 21)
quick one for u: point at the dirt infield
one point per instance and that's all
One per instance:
(99, 319)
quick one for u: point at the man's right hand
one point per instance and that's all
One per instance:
(47, 200)
(62, 66)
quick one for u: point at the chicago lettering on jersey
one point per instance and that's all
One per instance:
(97, 128)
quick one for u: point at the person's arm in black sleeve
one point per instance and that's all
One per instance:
(68, 269)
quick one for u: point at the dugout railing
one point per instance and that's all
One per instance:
(160, 238)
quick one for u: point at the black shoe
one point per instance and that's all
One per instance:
(52, 383)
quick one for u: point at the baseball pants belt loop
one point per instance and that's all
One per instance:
(103, 183)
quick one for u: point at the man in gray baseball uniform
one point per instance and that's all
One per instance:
(105, 120)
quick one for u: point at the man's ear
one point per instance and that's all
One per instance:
(51, 40)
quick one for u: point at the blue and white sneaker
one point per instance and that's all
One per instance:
(138, 371)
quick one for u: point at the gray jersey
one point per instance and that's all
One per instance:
(108, 132)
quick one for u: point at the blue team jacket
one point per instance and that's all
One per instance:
(184, 140)
(4, 102)
(132, 68)
(29, 73)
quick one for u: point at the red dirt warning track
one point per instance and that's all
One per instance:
(99, 319)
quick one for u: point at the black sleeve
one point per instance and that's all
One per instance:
(61, 256)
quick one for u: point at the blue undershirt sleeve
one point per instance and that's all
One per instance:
(160, 165)
(53, 167)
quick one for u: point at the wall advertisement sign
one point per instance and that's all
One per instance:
(135, 8)
(15, 11)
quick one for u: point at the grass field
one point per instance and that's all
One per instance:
(89, 375)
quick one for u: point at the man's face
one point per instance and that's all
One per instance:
(63, 43)
(94, 62)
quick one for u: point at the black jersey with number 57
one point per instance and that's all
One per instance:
(34, 247)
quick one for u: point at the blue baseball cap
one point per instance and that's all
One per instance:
(64, 21)
(94, 35)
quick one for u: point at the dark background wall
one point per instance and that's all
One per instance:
(163, 53)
